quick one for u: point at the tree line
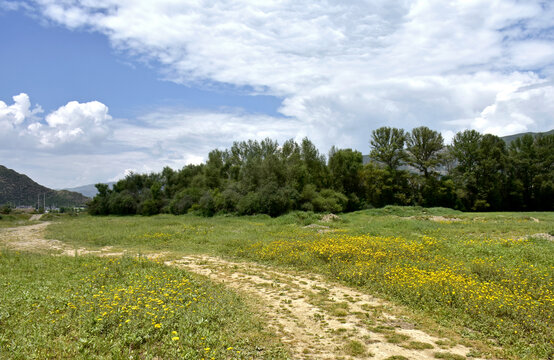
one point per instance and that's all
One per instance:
(475, 173)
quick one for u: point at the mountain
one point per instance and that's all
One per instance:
(19, 189)
(508, 139)
(89, 190)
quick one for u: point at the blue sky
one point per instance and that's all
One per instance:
(60, 65)
(90, 90)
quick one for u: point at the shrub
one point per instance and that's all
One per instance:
(123, 203)
(206, 205)
(249, 204)
(181, 203)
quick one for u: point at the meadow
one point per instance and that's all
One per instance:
(486, 276)
(15, 219)
(121, 308)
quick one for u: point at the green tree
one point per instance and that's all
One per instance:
(491, 173)
(99, 205)
(315, 170)
(465, 151)
(423, 147)
(543, 181)
(523, 157)
(387, 147)
(344, 168)
(481, 171)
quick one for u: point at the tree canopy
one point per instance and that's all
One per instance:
(476, 172)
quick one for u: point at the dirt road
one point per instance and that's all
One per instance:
(317, 319)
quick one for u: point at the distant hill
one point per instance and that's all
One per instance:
(508, 139)
(89, 190)
(19, 189)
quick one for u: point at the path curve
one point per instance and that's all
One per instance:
(317, 319)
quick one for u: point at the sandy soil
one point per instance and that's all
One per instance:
(31, 238)
(317, 319)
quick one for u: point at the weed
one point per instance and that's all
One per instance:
(448, 356)
(354, 348)
(417, 345)
(396, 338)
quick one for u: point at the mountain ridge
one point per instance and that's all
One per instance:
(509, 138)
(90, 189)
(20, 190)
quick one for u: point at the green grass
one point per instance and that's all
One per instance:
(448, 356)
(89, 307)
(417, 345)
(355, 348)
(468, 271)
(396, 338)
(15, 219)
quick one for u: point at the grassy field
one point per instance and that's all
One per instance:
(487, 276)
(15, 219)
(124, 308)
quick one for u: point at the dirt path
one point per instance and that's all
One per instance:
(31, 238)
(315, 318)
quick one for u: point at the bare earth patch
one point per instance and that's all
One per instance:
(544, 236)
(31, 238)
(440, 219)
(330, 218)
(317, 319)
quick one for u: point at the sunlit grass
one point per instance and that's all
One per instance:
(87, 307)
(479, 273)
(15, 219)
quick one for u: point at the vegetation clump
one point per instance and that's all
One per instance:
(476, 173)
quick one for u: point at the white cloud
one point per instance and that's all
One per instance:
(80, 143)
(518, 111)
(343, 65)
(15, 114)
(176, 137)
(341, 68)
(76, 124)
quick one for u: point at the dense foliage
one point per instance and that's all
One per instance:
(476, 173)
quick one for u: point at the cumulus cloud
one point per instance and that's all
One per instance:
(89, 146)
(75, 123)
(15, 114)
(514, 112)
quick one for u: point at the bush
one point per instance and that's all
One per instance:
(123, 203)
(326, 200)
(6, 209)
(249, 204)
(299, 217)
(228, 200)
(150, 207)
(277, 200)
(206, 205)
(181, 203)
(330, 201)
